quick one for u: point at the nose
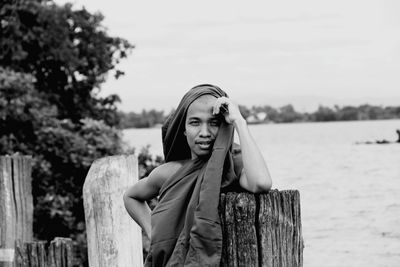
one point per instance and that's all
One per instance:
(204, 130)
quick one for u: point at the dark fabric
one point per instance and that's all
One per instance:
(186, 228)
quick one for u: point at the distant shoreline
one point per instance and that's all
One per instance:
(158, 126)
(267, 114)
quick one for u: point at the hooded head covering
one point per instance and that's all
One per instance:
(186, 228)
(174, 141)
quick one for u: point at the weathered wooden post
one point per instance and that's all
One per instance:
(58, 254)
(16, 208)
(261, 229)
(113, 237)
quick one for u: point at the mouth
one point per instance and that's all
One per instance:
(204, 144)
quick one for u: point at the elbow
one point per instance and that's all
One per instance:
(263, 187)
(126, 197)
(260, 183)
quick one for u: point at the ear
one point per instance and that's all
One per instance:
(184, 133)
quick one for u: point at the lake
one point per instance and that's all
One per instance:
(350, 203)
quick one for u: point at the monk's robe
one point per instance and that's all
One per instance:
(186, 229)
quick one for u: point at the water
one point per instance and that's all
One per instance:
(350, 203)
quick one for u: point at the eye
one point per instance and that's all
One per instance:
(214, 122)
(194, 123)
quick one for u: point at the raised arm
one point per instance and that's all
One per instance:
(255, 176)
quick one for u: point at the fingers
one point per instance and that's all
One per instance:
(221, 105)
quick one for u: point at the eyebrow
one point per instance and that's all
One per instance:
(193, 118)
(214, 117)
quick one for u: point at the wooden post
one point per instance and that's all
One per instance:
(113, 237)
(60, 253)
(16, 208)
(261, 229)
(30, 254)
(35, 254)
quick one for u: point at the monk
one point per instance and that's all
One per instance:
(200, 162)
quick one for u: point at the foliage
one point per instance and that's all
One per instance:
(67, 51)
(147, 162)
(52, 62)
(283, 114)
(145, 119)
(62, 153)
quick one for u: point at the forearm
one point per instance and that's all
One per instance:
(258, 178)
(140, 213)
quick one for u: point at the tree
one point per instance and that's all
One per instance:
(348, 113)
(289, 114)
(324, 114)
(272, 113)
(53, 60)
(67, 51)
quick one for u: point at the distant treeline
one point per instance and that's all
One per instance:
(145, 119)
(268, 114)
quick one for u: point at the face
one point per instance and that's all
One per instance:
(201, 126)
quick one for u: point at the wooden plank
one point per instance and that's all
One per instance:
(280, 234)
(16, 207)
(245, 214)
(229, 252)
(17, 197)
(261, 230)
(26, 189)
(114, 239)
(21, 254)
(239, 230)
(7, 208)
(35, 254)
(266, 234)
(298, 243)
(60, 253)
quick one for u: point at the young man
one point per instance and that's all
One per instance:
(184, 227)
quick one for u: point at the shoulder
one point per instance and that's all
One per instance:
(149, 186)
(163, 172)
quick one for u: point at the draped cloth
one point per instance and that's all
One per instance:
(186, 229)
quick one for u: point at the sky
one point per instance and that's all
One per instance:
(306, 53)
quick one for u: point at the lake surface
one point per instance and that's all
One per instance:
(350, 194)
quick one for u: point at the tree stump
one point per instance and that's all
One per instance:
(114, 239)
(261, 229)
(16, 208)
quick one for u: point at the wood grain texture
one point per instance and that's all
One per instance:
(114, 239)
(261, 229)
(60, 253)
(34, 254)
(16, 207)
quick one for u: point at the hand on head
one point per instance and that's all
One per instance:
(228, 109)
